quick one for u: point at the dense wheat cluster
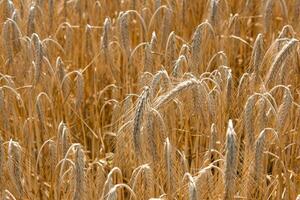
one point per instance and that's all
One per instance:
(149, 99)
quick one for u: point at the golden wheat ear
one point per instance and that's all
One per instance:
(230, 162)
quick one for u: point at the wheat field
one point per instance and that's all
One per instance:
(149, 99)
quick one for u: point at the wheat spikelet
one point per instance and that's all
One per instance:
(60, 66)
(200, 100)
(38, 57)
(262, 117)
(179, 65)
(138, 122)
(257, 54)
(63, 143)
(191, 185)
(7, 41)
(39, 110)
(168, 165)
(99, 179)
(223, 58)
(112, 194)
(175, 91)
(256, 174)
(148, 60)
(79, 190)
(105, 39)
(243, 83)
(53, 156)
(249, 120)
(153, 42)
(124, 33)
(283, 75)
(8, 8)
(64, 140)
(196, 46)
(196, 49)
(14, 166)
(160, 75)
(213, 139)
(141, 181)
(230, 162)
(285, 31)
(203, 182)
(280, 59)
(79, 89)
(184, 50)
(170, 52)
(267, 15)
(88, 41)
(166, 27)
(213, 13)
(284, 110)
(3, 109)
(108, 185)
(16, 33)
(192, 190)
(150, 135)
(31, 20)
(229, 94)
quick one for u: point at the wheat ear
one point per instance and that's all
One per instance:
(14, 166)
(138, 122)
(280, 59)
(79, 191)
(230, 162)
